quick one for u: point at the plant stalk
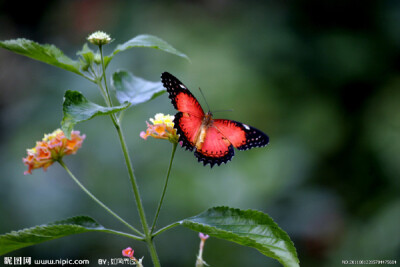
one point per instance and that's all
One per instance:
(97, 200)
(128, 162)
(165, 187)
(104, 75)
(110, 231)
(135, 188)
(166, 228)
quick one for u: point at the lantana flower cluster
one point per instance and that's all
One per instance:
(162, 128)
(51, 149)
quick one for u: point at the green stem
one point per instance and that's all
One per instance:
(131, 175)
(165, 187)
(97, 200)
(97, 80)
(128, 162)
(90, 79)
(153, 253)
(104, 74)
(135, 188)
(103, 92)
(110, 231)
(166, 228)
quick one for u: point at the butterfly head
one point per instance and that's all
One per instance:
(207, 120)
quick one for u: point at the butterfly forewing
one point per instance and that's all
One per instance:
(181, 97)
(241, 136)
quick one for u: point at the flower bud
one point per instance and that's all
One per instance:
(99, 38)
(199, 261)
(97, 59)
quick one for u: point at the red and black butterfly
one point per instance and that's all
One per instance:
(212, 139)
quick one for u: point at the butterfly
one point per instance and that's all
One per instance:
(212, 139)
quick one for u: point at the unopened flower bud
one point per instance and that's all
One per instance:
(97, 59)
(203, 236)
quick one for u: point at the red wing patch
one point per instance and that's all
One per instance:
(188, 104)
(180, 96)
(231, 130)
(187, 127)
(216, 148)
(241, 136)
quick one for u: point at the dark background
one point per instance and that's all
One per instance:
(321, 78)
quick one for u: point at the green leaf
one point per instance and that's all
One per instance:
(248, 228)
(107, 60)
(46, 53)
(38, 234)
(145, 40)
(77, 108)
(134, 90)
(87, 55)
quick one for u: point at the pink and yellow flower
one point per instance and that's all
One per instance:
(128, 252)
(52, 148)
(162, 128)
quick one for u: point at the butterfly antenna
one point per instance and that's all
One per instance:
(204, 99)
(223, 110)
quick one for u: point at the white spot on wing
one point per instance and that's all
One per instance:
(182, 86)
(246, 126)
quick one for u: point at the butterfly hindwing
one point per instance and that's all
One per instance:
(242, 136)
(215, 149)
(223, 135)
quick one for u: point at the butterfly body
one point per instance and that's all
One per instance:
(212, 139)
(201, 134)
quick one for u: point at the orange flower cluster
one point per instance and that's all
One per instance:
(162, 128)
(52, 148)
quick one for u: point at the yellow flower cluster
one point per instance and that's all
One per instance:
(162, 128)
(52, 148)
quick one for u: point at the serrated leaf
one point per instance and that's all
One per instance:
(134, 90)
(49, 54)
(145, 40)
(77, 108)
(38, 234)
(248, 228)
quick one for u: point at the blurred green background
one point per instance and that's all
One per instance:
(321, 78)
